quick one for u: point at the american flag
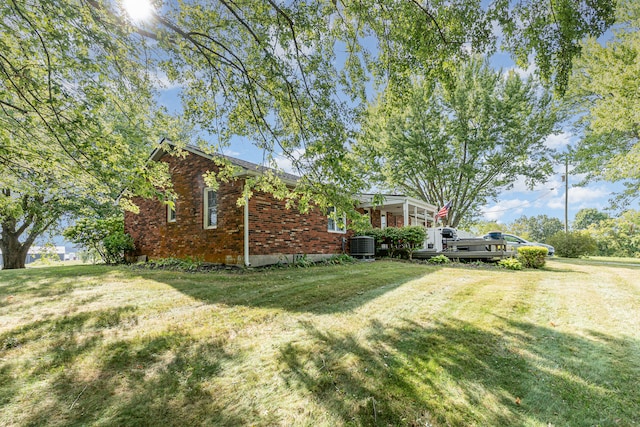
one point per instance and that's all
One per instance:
(443, 210)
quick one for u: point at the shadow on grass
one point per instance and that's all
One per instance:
(48, 281)
(152, 380)
(319, 290)
(452, 373)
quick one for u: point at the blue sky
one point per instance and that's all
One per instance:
(547, 198)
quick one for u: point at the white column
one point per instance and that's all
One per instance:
(405, 212)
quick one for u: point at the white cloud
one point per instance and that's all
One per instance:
(285, 163)
(560, 140)
(582, 197)
(161, 81)
(531, 69)
(497, 211)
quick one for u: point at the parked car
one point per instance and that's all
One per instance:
(516, 241)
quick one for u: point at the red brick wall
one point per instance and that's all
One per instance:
(273, 229)
(392, 220)
(155, 237)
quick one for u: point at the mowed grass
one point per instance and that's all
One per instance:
(383, 343)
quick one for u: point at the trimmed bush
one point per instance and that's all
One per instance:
(532, 256)
(398, 240)
(439, 259)
(574, 244)
(510, 264)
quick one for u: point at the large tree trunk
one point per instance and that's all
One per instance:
(14, 253)
(36, 216)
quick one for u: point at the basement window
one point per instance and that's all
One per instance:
(210, 208)
(337, 224)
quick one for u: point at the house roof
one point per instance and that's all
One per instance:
(248, 168)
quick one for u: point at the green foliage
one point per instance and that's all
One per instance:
(605, 94)
(480, 228)
(48, 253)
(78, 92)
(536, 228)
(180, 264)
(618, 236)
(439, 259)
(105, 236)
(341, 259)
(573, 244)
(510, 264)
(587, 217)
(397, 239)
(77, 120)
(89, 255)
(462, 142)
(303, 261)
(532, 256)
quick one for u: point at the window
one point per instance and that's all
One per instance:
(210, 208)
(171, 211)
(336, 225)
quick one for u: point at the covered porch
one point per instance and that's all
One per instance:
(396, 210)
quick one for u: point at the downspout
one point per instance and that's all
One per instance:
(246, 232)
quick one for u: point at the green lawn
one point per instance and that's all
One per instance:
(383, 343)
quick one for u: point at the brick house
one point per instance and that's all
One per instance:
(208, 224)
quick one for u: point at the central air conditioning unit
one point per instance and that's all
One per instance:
(363, 246)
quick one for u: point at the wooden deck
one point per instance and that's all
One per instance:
(475, 249)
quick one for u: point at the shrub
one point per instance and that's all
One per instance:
(532, 256)
(105, 236)
(341, 259)
(179, 264)
(439, 259)
(303, 261)
(412, 237)
(510, 264)
(574, 244)
(399, 240)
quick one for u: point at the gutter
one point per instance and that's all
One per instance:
(246, 232)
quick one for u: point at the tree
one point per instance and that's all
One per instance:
(605, 92)
(75, 122)
(76, 92)
(464, 142)
(587, 217)
(618, 236)
(536, 228)
(482, 227)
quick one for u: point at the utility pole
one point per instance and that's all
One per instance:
(566, 193)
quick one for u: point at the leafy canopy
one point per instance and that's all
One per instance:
(463, 142)
(536, 228)
(77, 83)
(605, 91)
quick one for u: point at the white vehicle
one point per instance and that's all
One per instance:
(461, 245)
(514, 242)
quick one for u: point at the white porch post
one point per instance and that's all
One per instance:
(405, 212)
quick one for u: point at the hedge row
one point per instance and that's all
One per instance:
(398, 239)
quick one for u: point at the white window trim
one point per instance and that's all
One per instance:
(205, 213)
(335, 222)
(175, 214)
